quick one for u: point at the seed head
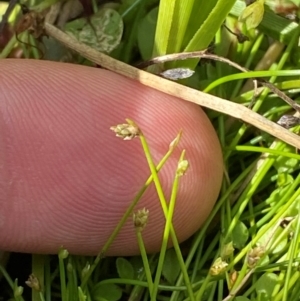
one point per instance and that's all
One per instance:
(126, 131)
(140, 219)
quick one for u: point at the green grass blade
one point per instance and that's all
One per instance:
(205, 34)
(163, 27)
(251, 74)
(182, 12)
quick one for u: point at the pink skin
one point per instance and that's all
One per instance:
(65, 179)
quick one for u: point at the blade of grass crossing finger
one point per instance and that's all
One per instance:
(166, 232)
(127, 214)
(165, 209)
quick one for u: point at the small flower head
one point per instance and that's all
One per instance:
(18, 291)
(233, 277)
(63, 253)
(182, 167)
(85, 270)
(255, 255)
(127, 131)
(34, 283)
(218, 267)
(175, 142)
(140, 219)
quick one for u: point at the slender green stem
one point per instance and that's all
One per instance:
(248, 148)
(48, 280)
(145, 260)
(163, 202)
(38, 270)
(294, 250)
(167, 288)
(41, 295)
(126, 215)
(6, 276)
(62, 273)
(253, 52)
(199, 237)
(250, 74)
(167, 232)
(8, 47)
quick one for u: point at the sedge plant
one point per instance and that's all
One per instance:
(248, 248)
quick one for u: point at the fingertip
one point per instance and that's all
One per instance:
(67, 180)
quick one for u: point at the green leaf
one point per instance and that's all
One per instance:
(103, 32)
(124, 268)
(271, 235)
(284, 164)
(293, 210)
(206, 32)
(265, 285)
(201, 11)
(146, 33)
(163, 27)
(183, 10)
(172, 24)
(171, 268)
(108, 291)
(253, 14)
(284, 179)
(138, 266)
(240, 235)
(278, 194)
(272, 25)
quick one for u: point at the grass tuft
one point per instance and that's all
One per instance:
(248, 248)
